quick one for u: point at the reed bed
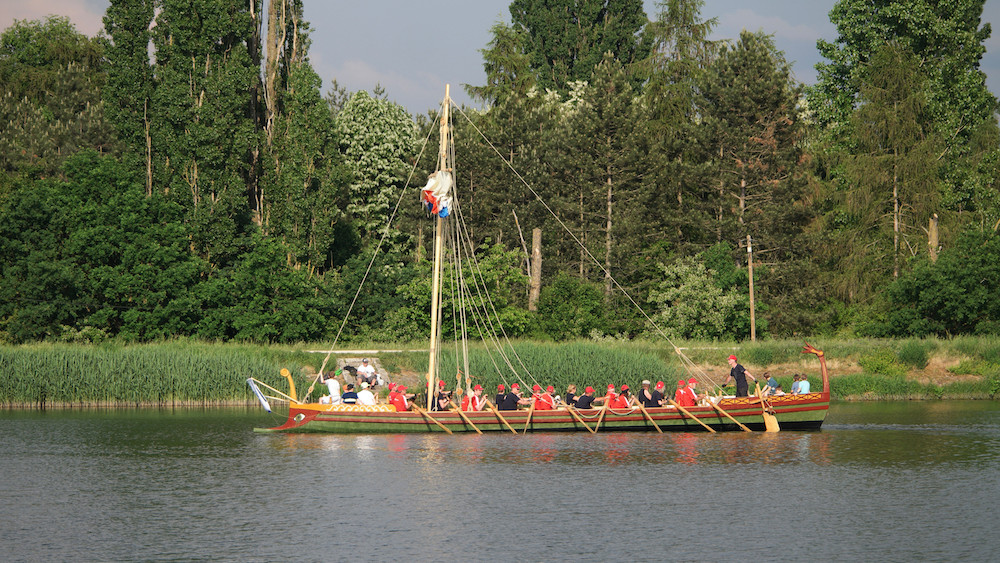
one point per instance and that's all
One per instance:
(197, 373)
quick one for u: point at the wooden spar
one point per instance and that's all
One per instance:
(527, 421)
(604, 409)
(428, 416)
(729, 416)
(465, 418)
(650, 418)
(770, 421)
(753, 319)
(438, 243)
(496, 411)
(685, 411)
(579, 419)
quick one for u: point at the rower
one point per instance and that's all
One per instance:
(586, 400)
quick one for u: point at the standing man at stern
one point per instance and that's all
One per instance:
(740, 374)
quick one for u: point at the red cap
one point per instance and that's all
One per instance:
(536, 387)
(731, 357)
(500, 387)
(391, 386)
(515, 386)
(659, 385)
(588, 390)
(441, 383)
(625, 387)
(692, 380)
(477, 387)
(400, 388)
(550, 389)
(611, 386)
(681, 382)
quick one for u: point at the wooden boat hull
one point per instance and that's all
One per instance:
(794, 412)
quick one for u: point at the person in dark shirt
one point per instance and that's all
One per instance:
(645, 395)
(740, 374)
(500, 395)
(571, 394)
(513, 399)
(586, 400)
(349, 396)
(657, 395)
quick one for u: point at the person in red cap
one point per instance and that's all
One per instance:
(397, 398)
(693, 392)
(682, 397)
(501, 393)
(624, 399)
(443, 398)
(609, 398)
(740, 374)
(513, 399)
(586, 400)
(543, 401)
(474, 400)
(657, 394)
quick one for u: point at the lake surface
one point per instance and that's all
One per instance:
(881, 482)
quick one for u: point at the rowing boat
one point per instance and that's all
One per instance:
(806, 411)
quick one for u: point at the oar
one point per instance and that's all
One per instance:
(577, 416)
(431, 418)
(528, 420)
(718, 408)
(645, 412)
(685, 411)
(770, 421)
(604, 409)
(465, 418)
(496, 411)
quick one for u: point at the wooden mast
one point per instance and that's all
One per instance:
(436, 279)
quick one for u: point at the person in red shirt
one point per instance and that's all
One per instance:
(695, 397)
(546, 401)
(475, 400)
(398, 398)
(609, 398)
(542, 401)
(623, 400)
(682, 396)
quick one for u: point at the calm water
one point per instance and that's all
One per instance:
(880, 482)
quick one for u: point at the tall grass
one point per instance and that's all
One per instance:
(185, 372)
(172, 373)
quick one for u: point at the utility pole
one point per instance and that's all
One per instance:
(753, 319)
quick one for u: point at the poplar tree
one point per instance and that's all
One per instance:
(568, 38)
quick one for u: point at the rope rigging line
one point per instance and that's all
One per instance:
(481, 288)
(385, 234)
(571, 234)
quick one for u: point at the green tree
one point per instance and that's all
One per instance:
(50, 98)
(690, 303)
(951, 296)
(568, 38)
(130, 81)
(203, 129)
(377, 139)
(570, 308)
(893, 172)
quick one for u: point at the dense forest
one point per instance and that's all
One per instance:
(182, 175)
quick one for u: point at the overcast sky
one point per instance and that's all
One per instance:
(412, 48)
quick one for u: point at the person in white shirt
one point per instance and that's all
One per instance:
(334, 386)
(366, 371)
(365, 396)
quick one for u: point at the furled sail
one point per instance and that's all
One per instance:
(436, 195)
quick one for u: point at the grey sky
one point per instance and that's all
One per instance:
(412, 48)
